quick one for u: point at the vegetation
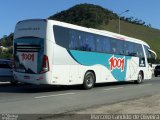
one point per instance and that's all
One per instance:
(87, 15)
(145, 33)
(6, 42)
(95, 16)
(90, 15)
(7, 54)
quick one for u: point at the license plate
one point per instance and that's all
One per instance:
(20, 70)
(27, 77)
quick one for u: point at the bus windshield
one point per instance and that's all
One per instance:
(28, 53)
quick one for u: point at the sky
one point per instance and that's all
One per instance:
(12, 11)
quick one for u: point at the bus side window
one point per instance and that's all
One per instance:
(132, 51)
(102, 44)
(120, 47)
(126, 48)
(140, 55)
(99, 44)
(106, 45)
(73, 44)
(82, 41)
(61, 36)
(150, 55)
(90, 42)
(129, 49)
(114, 46)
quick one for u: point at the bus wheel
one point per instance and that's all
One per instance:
(14, 82)
(140, 78)
(89, 80)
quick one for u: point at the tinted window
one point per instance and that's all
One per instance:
(114, 46)
(150, 55)
(90, 42)
(139, 50)
(73, 40)
(5, 64)
(120, 47)
(140, 54)
(102, 44)
(84, 41)
(61, 36)
(147, 52)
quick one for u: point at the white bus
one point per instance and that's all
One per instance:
(58, 53)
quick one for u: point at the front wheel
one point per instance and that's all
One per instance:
(139, 79)
(89, 80)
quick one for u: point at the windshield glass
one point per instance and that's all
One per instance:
(28, 54)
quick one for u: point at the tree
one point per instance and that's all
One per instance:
(7, 40)
(87, 15)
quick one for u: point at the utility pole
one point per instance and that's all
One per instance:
(119, 30)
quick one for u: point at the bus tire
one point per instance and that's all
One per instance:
(13, 82)
(139, 79)
(89, 80)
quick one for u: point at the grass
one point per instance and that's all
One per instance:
(149, 35)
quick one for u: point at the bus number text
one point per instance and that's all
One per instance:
(117, 63)
(26, 57)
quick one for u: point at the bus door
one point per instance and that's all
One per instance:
(150, 59)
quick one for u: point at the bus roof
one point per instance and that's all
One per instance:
(96, 31)
(28, 20)
(90, 30)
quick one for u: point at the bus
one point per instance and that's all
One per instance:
(59, 53)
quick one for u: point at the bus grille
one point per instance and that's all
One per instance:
(27, 48)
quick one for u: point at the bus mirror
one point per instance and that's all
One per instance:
(150, 64)
(153, 54)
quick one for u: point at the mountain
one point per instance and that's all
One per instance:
(95, 16)
(87, 15)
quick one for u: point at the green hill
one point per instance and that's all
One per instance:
(87, 15)
(147, 34)
(94, 16)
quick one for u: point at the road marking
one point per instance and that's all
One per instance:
(145, 85)
(116, 88)
(4, 82)
(54, 95)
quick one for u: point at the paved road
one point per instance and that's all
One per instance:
(23, 98)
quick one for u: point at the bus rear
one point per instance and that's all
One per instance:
(31, 62)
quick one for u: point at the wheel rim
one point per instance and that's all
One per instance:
(89, 80)
(140, 78)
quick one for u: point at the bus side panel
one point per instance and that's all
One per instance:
(48, 50)
(147, 68)
(74, 77)
(95, 68)
(60, 75)
(63, 67)
(106, 75)
(109, 67)
(132, 69)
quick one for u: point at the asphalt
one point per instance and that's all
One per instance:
(43, 99)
